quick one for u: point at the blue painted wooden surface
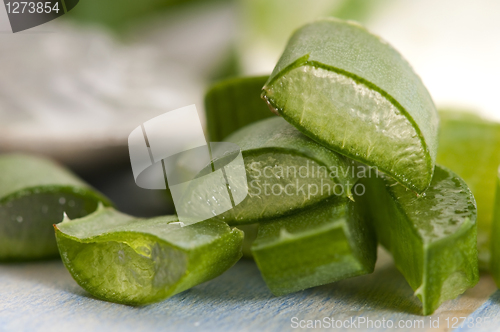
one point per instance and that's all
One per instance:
(43, 297)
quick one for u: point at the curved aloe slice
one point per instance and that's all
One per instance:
(495, 235)
(350, 91)
(234, 103)
(327, 243)
(432, 237)
(34, 193)
(470, 146)
(286, 171)
(118, 258)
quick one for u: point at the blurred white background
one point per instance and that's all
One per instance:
(74, 88)
(75, 85)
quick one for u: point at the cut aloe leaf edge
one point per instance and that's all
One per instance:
(431, 237)
(34, 194)
(122, 259)
(329, 242)
(328, 84)
(280, 161)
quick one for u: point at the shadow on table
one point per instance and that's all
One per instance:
(385, 289)
(243, 285)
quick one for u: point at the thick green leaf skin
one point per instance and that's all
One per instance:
(234, 103)
(326, 243)
(495, 235)
(328, 73)
(470, 146)
(121, 259)
(34, 194)
(275, 144)
(432, 237)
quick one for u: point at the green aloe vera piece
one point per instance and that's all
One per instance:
(326, 243)
(286, 172)
(495, 235)
(352, 92)
(234, 103)
(119, 258)
(470, 146)
(431, 237)
(34, 194)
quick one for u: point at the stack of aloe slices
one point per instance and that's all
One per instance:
(351, 161)
(352, 93)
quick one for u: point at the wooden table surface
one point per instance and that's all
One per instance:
(43, 297)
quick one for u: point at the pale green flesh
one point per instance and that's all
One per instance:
(34, 194)
(326, 243)
(121, 259)
(276, 187)
(347, 66)
(470, 146)
(26, 222)
(444, 209)
(352, 119)
(432, 238)
(279, 157)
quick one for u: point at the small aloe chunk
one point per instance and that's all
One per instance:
(34, 194)
(286, 172)
(431, 237)
(119, 258)
(326, 243)
(232, 104)
(350, 91)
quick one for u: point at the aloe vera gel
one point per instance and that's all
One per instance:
(286, 172)
(431, 237)
(326, 243)
(353, 93)
(119, 258)
(34, 194)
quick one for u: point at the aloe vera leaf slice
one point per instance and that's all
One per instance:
(431, 237)
(277, 155)
(352, 92)
(118, 258)
(232, 104)
(495, 235)
(326, 243)
(34, 194)
(470, 146)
